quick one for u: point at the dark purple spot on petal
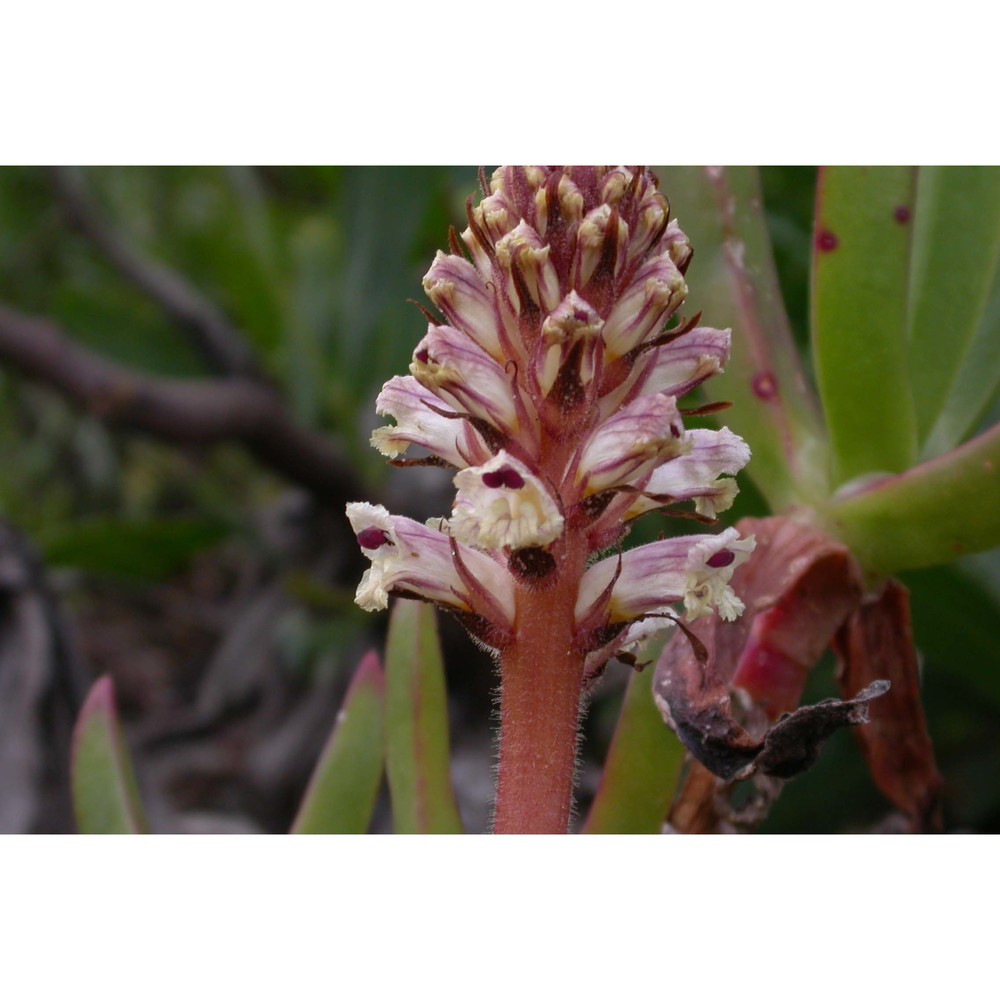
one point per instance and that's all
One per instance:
(826, 241)
(720, 559)
(506, 477)
(423, 355)
(764, 385)
(902, 214)
(512, 479)
(674, 431)
(372, 538)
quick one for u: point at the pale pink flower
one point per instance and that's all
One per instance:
(551, 385)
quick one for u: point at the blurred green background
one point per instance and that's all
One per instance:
(220, 598)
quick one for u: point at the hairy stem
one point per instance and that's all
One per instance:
(541, 686)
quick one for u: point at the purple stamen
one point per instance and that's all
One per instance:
(720, 559)
(372, 538)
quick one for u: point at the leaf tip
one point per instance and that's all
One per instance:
(369, 672)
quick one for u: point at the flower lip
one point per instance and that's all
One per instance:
(419, 560)
(504, 505)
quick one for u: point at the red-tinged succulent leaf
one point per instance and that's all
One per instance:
(341, 794)
(877, 641)
(798, 588)
(105, 797)
(641, 769)
(416, 719)
(734, 282)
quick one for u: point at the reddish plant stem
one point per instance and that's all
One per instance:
(541, 682)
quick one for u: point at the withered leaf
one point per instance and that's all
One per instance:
(798, 589)
(789, 747)
(792, 745)
(876, 641)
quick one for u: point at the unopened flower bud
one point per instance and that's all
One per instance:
(457, 370)
(570, 336)
(656, 291)
(615, 184)
(676, 244)
(651, 223)
(523, 250)
(601, 237)
(460, 292)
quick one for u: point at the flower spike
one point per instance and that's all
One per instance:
(551, 386)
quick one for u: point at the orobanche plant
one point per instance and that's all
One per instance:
(551, 384)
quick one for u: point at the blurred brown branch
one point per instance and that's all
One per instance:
(192, 411)
(223, 346)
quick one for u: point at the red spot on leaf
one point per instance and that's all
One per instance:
(902, 214)
(764, 386)
(826, 241)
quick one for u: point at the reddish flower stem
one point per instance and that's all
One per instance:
(541, 682)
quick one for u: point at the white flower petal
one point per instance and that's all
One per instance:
(502, 504)
(415, 410)
(454, 368)
(414, 558)
(631, 443)
(695, 569)
(694, 476)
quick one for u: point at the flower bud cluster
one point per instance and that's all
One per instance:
(550, 384)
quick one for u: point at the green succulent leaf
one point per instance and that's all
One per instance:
(642, 767)
(105, 796)
(860, 286)
(734, 283)
(976, 382)
(954, 264)
(341, 794)
(417, 754)
(930, 515)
